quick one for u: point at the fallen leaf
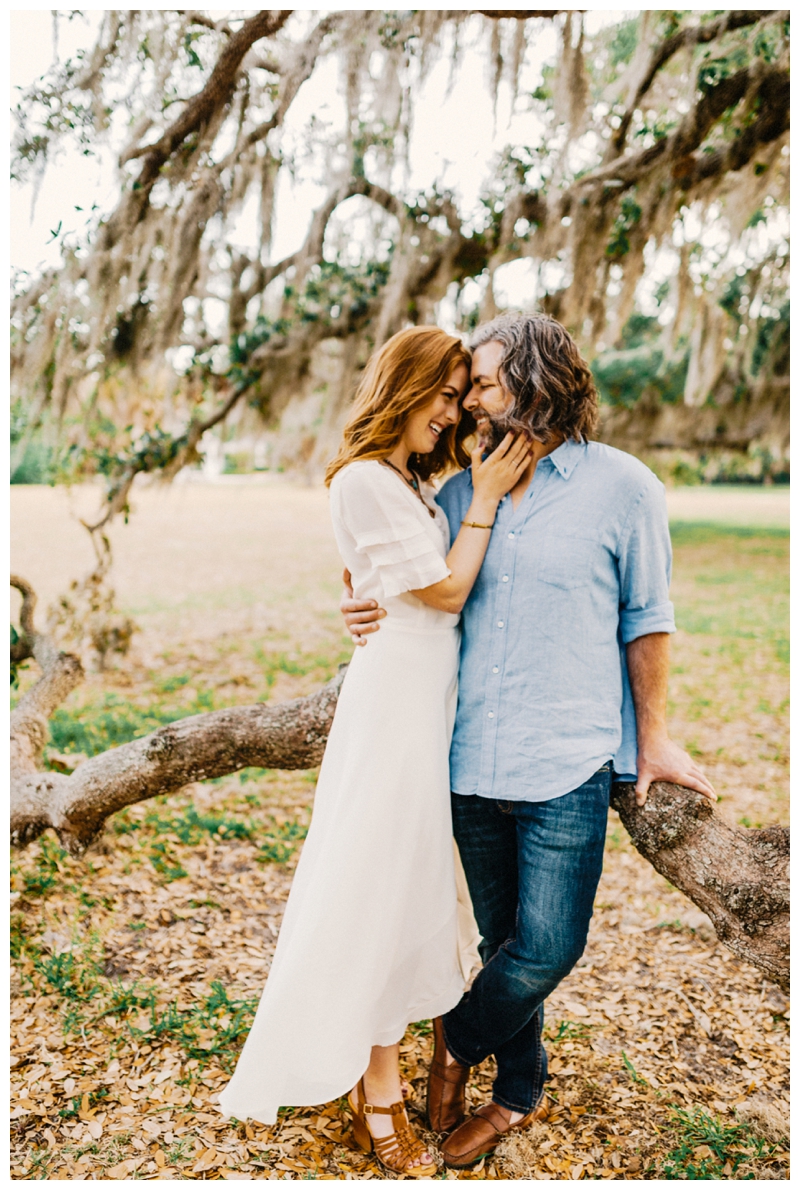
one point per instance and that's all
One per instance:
(207, 1160)
(575, 1008)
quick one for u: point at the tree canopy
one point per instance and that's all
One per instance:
(651, 210)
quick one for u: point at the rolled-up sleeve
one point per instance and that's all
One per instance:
(645, 567)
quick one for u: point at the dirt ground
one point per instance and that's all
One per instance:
(138, 968)
(730, 504)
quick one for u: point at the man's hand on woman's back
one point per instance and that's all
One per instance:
(361, 616)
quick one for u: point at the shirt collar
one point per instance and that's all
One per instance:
(566, 457)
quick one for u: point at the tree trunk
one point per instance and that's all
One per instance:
(738, 877)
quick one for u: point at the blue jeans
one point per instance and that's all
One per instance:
(532, 870)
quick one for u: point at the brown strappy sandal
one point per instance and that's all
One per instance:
(400, 1148)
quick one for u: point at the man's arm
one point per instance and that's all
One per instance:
(659, 759)
(360, 615)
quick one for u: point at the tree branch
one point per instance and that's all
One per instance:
(199, 18)
(20, 652)
(61, 672)
(117, 497)
(740, 878)
(102, 51)
(288, 735)
(666, 49)
(216, 92)
(771, 123)
(302, 337)
(261, 63)
(28, 605)
(691, 132)
(518, 14)
(311, 251)
(294, 76)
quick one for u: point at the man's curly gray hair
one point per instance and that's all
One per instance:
(552, 386)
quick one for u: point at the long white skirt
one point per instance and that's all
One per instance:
(373, 936)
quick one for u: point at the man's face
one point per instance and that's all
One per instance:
(488, 399)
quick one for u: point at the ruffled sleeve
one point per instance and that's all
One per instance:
(390, 534)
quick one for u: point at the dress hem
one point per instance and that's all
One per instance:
(441, 1005)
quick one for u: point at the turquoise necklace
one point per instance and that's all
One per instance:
(413, 483)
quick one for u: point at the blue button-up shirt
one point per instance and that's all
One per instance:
(580, 568)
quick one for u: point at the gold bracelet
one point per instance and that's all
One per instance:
(475, 525)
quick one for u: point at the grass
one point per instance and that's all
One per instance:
(161, 836)
(705, 1147)
(730, 660)
(703, 531)
(558, 1031)
(42, 876)
(277, 841)
(40, 1159)
(211, 1028)
(88, 726)
(112, 720)
(741, 591)
(632, 1071)
(189, 827)
(281, 843)
(73, 1106)
(298, 664)
(70, 974)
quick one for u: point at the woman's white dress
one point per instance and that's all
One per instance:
(373, 936)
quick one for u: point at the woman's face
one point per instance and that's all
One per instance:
(424, 427)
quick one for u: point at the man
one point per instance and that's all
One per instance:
(562, 689)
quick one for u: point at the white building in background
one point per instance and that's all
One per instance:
(213, 452)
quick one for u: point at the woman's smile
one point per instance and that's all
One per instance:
(425, 427)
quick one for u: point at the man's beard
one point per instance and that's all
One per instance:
(491, 433)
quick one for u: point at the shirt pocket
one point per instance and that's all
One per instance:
(568, 562)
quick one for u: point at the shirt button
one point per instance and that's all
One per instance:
(505, 578)
(510, 535)
(491, 714)
(495, 669)
(500, 623)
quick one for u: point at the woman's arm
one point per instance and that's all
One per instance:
(492, 478)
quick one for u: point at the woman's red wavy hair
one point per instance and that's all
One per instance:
(401, 378)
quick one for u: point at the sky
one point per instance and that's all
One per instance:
(455, 138)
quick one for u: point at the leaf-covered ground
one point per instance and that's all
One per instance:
(137, 970)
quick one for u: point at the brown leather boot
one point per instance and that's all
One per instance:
(447, 1085)
(482, 1132)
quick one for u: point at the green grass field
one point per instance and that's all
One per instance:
(729, 690)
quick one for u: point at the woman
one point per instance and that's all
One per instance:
(369, 938)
